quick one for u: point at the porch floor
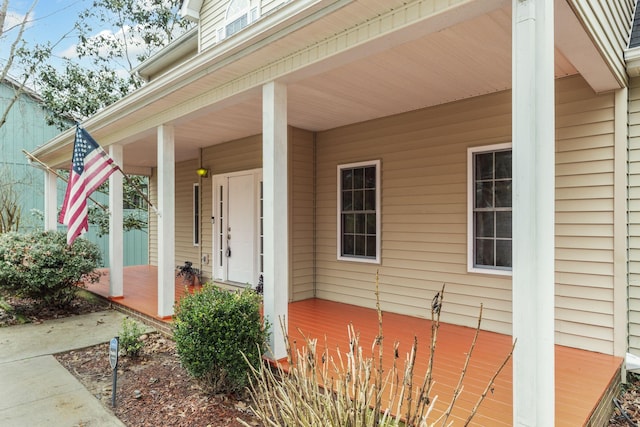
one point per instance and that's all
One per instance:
(583, 378)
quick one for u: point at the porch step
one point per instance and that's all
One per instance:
(162, 326)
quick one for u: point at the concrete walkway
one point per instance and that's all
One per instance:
(35, 390)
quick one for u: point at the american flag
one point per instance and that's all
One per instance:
(90, 167)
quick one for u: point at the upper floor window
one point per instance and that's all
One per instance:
(359, 211)
(239, 15)
(489, 209)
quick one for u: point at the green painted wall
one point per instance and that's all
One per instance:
(26, 128)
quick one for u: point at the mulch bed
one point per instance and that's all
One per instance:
(15, 310)
(627, 411)
(152, 389)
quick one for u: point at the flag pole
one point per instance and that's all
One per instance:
(40, 162)
(138, 190)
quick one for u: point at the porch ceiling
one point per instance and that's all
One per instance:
(380, 78)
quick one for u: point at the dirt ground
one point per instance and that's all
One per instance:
(627, 411)
(153, 389)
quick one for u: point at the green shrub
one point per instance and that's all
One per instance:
(130, 343)
(40, 265)
(212, 329)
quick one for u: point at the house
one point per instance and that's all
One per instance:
(25, 129)
(477, 143)
(632, 54)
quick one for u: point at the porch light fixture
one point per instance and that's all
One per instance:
(202, 172)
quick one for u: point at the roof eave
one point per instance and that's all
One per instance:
(191, 10)
(194, 68)
(632, 58)
(179, 48)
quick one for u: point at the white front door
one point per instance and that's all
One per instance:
(235, 235)
(241, 229)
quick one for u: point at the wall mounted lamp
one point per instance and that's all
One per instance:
(202, 172)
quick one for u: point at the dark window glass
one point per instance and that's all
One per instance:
(371, 246)
(492, 209)
(349, 226)
(347, 200)
(370, 200)
(360, 247)
(503, 253)
(358, 212)
(196, 214)
(484, 252)
(237, 25)
(358, 200)
(503, 165)
(503, 194)
(347, 179)
(348, 244)
(371, 224)
(485, 224)
(484, 194)
(503, 224)
(484, 166)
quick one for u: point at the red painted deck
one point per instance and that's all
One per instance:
(582, 377)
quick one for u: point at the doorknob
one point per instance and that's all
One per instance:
(228, 252)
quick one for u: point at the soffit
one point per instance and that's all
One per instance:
(377, 79)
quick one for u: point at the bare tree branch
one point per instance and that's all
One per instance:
(19, 89)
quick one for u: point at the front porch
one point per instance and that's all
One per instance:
(585, 381)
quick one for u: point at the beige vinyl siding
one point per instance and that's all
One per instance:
(584, 217)
(206, 228)
(424, 192)
(634, 215)
(211, 18)
(609, 25)
(423, 201)
(184, 247)
(213, 14)
(240, 155)
(301, 205)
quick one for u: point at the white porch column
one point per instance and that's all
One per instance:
(50, 201)
(166, 220)
(276, 217)
(621, 142)
(116, 240)
(533, 212)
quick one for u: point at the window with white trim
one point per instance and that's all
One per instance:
(196, 214)
(261, 227)
(239, 15)
(489, 216)
(220, 231)
(359, 211)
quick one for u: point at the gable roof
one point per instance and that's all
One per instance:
(25, 89)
